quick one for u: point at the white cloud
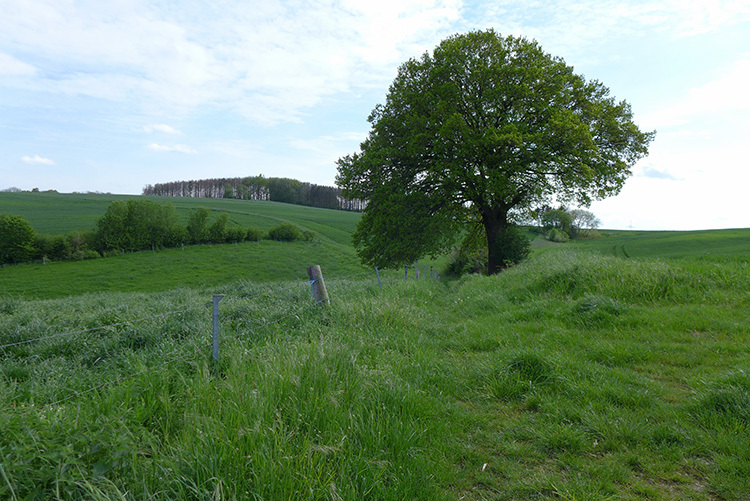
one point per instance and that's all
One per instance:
(175, 148)
(160, 128)
(37, 160)
(10, 66)
(727, 94)
(297, 52)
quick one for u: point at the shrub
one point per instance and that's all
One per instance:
(285, 232)
(217, 232)
(235, 234)
(136, 225)
(555, 235)
(197, 226)
(308, 236)
(254, 234)
(53, 247)
(16, 239)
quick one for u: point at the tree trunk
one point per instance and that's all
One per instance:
(495, 222)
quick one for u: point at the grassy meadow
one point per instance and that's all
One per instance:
(169, 268)
(572, 376)
(587, 372)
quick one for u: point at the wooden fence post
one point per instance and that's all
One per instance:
(320, 294)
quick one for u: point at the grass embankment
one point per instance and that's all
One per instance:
(573, 376)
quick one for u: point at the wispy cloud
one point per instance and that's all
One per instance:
(653, 173)
(726, 94)
(207, 56)
(161, 128)
(10, 66)
(174, 148)
(37, 160)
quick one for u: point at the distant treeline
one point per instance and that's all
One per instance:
(275, 189)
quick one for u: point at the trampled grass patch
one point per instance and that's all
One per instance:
(570, 376)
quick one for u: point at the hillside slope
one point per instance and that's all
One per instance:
(572, 376)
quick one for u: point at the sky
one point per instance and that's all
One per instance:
(112, 96)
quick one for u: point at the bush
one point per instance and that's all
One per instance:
(285, 232)
(254, 234)
(217, 232)
(56, 247)
(555, 235)
(197, 226)
(308, 236)
(235, 234)
(16, 239)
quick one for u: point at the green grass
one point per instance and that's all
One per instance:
(200, 265)
(57, 213)
(668, 244)
(266, 261)
(572, 376)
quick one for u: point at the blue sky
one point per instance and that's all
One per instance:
(111, 96)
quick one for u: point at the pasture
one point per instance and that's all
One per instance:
(572, 376)
(616, 368)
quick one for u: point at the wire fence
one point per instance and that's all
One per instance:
(242, 309)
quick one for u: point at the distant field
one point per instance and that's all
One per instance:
(196, 266)
(669, 244)
(59, 213)
(573, 376)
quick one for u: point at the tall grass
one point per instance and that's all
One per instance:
(572, 377)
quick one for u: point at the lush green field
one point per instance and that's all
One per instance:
(572, 376)
(266, 261)
(57, 213)
(200, 265)
(667, 244)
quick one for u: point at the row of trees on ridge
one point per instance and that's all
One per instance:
(275, 189)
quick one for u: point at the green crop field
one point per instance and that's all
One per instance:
(667, 244)
(57, 213)
(572, 376)
(265, 261)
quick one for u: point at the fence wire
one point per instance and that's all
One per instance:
(336, 282)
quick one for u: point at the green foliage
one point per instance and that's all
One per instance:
(197, 227)
(557, 235)
(217, 232)
(137, 225)
(235, 234)
(486, 128)
(285, 232)
(254, 234)
(397, 229)
(557, 219)
(471, 256)
(16, 239)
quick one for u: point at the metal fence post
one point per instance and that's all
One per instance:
(378, 274)
(217, 298)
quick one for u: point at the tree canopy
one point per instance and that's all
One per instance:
(16, 239)
(483, 130)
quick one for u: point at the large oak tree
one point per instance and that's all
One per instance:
(485, 128)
